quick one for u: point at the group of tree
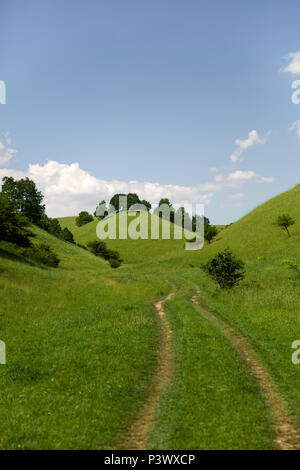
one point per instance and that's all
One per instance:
(26, 202)
(132, 199)
(53, 227)
(24, 198)
(21, 204)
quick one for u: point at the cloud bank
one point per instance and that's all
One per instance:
(68, 189)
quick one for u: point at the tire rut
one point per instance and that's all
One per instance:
(287, 436)
(137, 436)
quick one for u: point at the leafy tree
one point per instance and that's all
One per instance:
(225, 269)
(54, 228)
(285, 221)
(13, 226)
(147, 204)
(195, 218)
(67, 235)
(132, 199)
(165, 202)
(210, 231)
(184, 218)
(116, 203)
(105, 212)
(83, 218)
(24, 197)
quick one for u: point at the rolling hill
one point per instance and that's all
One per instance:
(83, 340)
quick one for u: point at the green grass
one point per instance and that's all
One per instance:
(81, 347)
(81, 339)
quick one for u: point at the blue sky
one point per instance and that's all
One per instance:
(151, 96)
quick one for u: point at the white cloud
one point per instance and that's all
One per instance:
(294, 66)
(242, 145)
(68, 189)
(239, 175)
(6, 152)
(296, 127)
(242, 176)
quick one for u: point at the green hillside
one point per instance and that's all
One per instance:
(83, 339)
(255, 235)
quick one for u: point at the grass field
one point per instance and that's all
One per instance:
(82, 340)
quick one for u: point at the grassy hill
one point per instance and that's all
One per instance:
(255, 234)
(82, 339)
(141, 251)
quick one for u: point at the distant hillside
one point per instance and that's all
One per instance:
(255, 234)
(132, 251)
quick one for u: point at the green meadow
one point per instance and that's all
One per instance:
(83, 339)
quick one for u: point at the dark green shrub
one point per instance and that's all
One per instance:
(225, 269)
(54, 228)
(210, 231)
(114, 263)
(42, 253)
(83, 218)
(67, 235)
(99, 248)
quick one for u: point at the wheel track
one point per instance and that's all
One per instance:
(287, 436)
(137, 436)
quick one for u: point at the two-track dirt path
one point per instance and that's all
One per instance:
(287, 436)
(137, 436)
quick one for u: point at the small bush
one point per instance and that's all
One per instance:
(42, 253)
(114, 263)
(225, 269)
(99, 248)
(67, 235)
(83, 218)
